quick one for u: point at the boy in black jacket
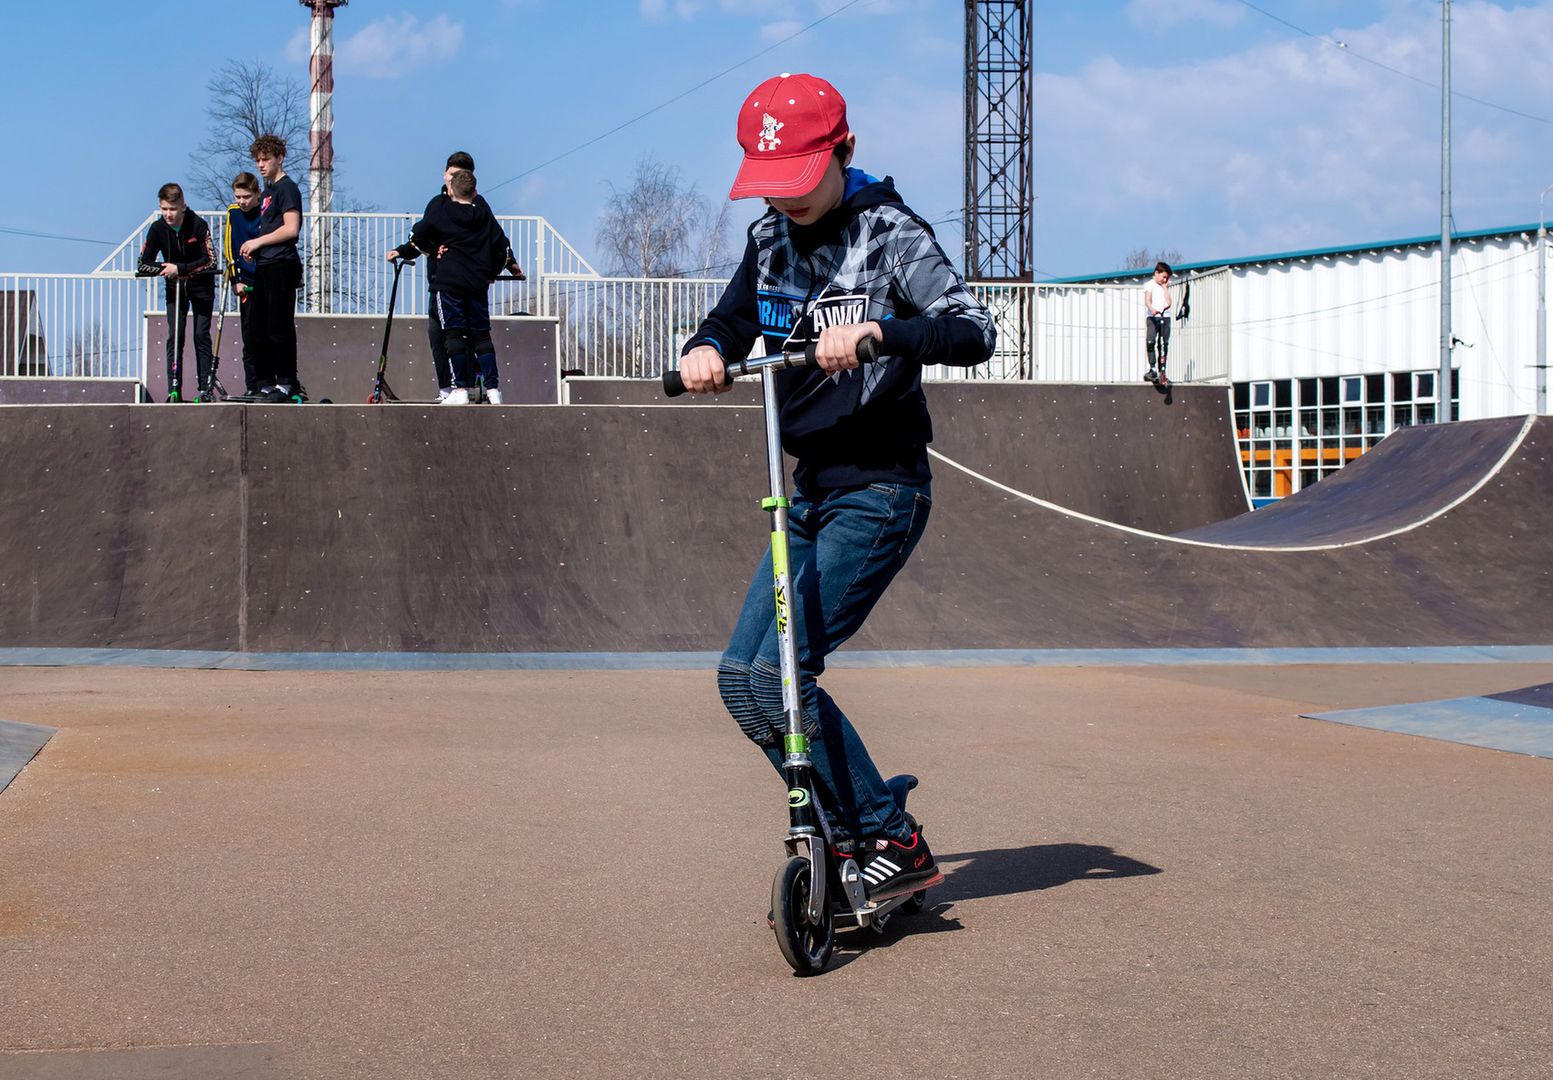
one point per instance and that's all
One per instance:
(836, 258)
(180, 241)
(465, 238)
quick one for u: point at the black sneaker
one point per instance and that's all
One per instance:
(891, 867)
(275, 396)
(1150, 375)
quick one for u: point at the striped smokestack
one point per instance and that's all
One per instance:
(320, 166)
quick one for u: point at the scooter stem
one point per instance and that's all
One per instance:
(795, 744)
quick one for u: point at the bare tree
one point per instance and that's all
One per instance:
(660, 227)
(1140, 259)
(246, 100)
(715, 258)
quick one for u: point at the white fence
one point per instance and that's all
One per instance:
(635, 327)
(348, 272)
(73, 325)
(92, 324)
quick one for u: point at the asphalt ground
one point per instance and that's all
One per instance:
(1152, 872)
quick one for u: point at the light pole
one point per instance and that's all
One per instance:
(1443, 388)
(1542, 302)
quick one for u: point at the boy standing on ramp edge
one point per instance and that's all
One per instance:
(836, 258)
(1156, 309)
(470, 250)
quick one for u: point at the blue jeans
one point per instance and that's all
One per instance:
(845, 547)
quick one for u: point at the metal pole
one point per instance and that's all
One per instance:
(1443, 389)
(1542, 302)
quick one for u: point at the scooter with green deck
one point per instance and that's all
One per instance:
(814, 893)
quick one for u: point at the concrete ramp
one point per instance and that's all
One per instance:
(19, 744)
(1401, 484)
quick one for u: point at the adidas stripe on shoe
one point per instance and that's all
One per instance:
(891, 867)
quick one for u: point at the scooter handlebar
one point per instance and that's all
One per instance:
(867, 353)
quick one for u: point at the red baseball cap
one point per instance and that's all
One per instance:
(788, 126)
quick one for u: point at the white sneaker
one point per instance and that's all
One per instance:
(493, 396)
(456, 396)
(442, 395)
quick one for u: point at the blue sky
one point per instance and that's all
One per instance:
(1205, 126)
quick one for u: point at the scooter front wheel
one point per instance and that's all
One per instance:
(805, 944)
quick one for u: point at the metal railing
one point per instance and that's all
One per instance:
(635, 327)
(93, 324)
(73, 325)
(347, 271)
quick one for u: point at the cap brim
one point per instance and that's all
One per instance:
(780, 178)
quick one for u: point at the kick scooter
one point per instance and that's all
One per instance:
(813, 893)
(215, 391)
(174, 325)
(381, 391)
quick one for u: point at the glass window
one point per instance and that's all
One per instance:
(1283, 394)
(1423, 386)
(1353, 389)
(1242, 396)
(1262, 484)
(1261, 395)
(1401, 386)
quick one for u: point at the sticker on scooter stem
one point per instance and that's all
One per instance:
(797, 797)
(779, 568)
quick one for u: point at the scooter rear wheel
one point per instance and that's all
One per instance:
(805, 945)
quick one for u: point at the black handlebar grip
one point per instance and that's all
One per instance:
(674, 386)
(867, 351)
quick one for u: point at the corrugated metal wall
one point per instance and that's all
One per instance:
(1379, 311)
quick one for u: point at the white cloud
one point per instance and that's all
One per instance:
(1167, 14)
(662, 10)
(397, 45)
(1295, 143)
(778, 30)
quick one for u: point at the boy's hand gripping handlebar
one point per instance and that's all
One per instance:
(867, 353)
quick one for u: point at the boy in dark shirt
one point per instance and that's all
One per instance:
(471, 250)
(180, 241)
(242, 225)
(277, 274)
(836, 258)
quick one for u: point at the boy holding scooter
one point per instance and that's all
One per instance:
(471, 250)
(178, 249)
(836, 259)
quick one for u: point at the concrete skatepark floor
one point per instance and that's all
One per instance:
(1158, 872)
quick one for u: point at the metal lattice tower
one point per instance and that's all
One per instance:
(999, 197)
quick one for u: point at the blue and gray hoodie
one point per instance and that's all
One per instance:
(871, 258)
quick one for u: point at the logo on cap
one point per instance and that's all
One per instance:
(769, 126)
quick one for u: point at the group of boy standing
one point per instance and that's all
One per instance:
(458, 231)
